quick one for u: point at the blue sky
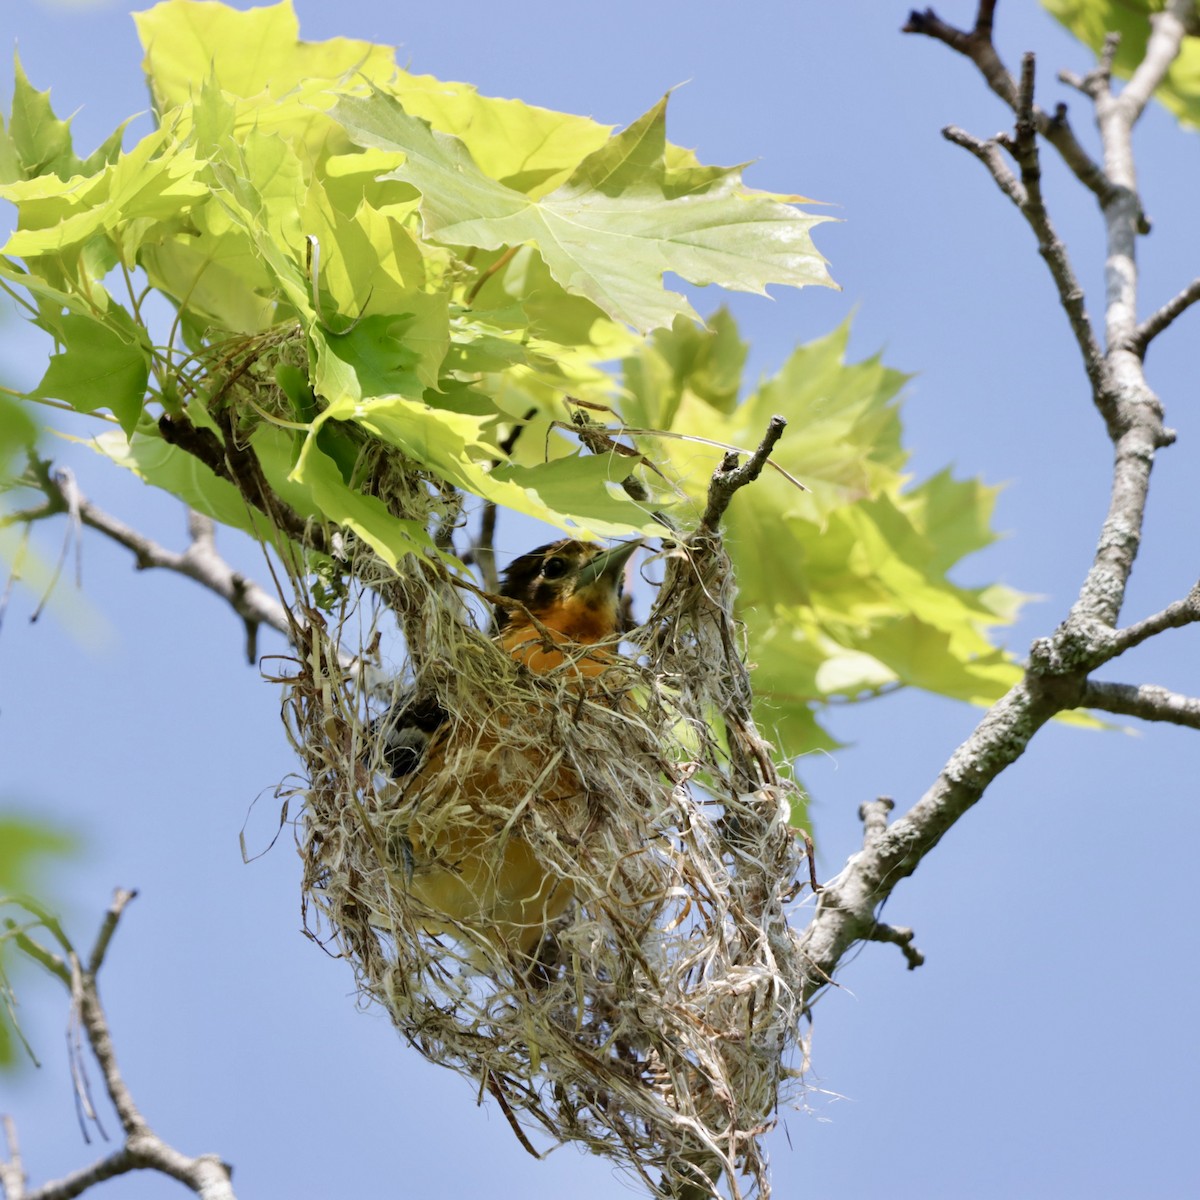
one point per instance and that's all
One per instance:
(1047, 1048)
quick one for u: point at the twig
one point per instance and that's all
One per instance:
(1167, 30)
(874, 816)
(121, 900)
(1174, 616)
(239, 465)
(847, 906)
(1024, 149)
(497, 265)
(977, 46)
(205, 1175)
(730, 476)
(78, 1182)
(896, 935)
(47, 959)
(1146, 700)
(482, 551)
(988, 153)
(200, 562)
(600, 440)
(1097, 82)
(1154, 324)
(1026, 194)
(63, 482)
(1137, 431)
(12, 1171)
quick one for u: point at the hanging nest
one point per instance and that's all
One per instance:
(653, 1013)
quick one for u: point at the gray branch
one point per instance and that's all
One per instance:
(732, 474)
(1026, 194)
(200, 562)
(847, 905)
(1146, 701)
(989, 153)
(896, 935)
(143, 1149)
(1153, 325)
(1174, 616)
(976, 45)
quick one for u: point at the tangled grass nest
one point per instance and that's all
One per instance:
(657, 1023)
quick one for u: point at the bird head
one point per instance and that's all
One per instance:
(572, 587)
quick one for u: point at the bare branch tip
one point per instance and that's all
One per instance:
(120, 901)
(732, 474)
(1072, 80)
(874, 817)
(902, 938)
(881, 804)
(918, 22)
(11, 1141)
(984, 18)
(1025, 90)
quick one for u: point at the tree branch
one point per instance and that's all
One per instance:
(239, 465)
(205, 1175)
(1174, 616)
(482, 551)
(977, 45)
(847, 905)
(200, 562)
(896, 935)
(1056, 678)
(1026, 194)
(1024, 149)
(1146, 700)
(95, 1023)
(12, 1170)
(1167, 30)
(988, 152)
(874, 816)
(1154, 324)
(730, 476)
(1137, 431)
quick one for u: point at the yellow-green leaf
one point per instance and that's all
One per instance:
(100, 366)
(36, 142)
(614, 227)
(249, 53)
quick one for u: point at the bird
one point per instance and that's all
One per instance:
(464, 860)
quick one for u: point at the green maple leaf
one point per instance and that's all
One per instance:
(101, 365)
(622, 219)
(36, 142)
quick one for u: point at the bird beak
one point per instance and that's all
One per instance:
(607, 565)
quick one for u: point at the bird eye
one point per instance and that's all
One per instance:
(554, 567)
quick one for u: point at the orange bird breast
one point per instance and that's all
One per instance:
(475, 790)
